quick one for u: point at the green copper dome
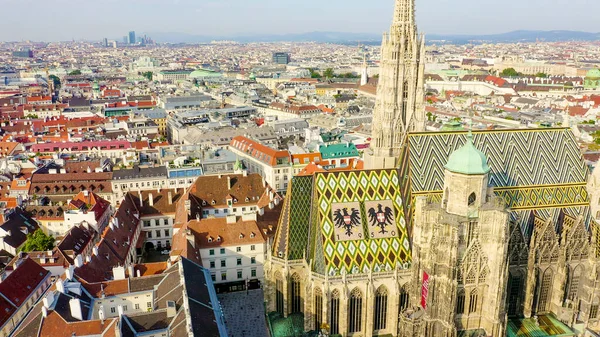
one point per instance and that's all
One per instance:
(593, 73)
(468, 160)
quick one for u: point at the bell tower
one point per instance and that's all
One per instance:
(460, 248)
(399, 106)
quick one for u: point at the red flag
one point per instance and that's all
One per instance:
(424, 290)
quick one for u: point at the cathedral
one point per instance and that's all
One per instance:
(445, 234)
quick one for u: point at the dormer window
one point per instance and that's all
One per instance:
(213, 202)
(219, 238)
(241, 236)
(252, 235)
(234, 200)
(203, 203)
(247, 199)
(210, 239)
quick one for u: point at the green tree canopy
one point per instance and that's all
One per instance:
(56, 81)
(75, 72)
(541, 75)
(510, 72)
(38, 241)
(314, 73)
(328, 73)
(148, 75)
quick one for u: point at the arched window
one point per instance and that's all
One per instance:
(460, 302)
(318, 309)
(514, 294)
(380, 313)
(473, 301)
(545, 292)
(404, 299)
(334, 313)
(355, 311)
(472, 199)
(296, 298)
(574, 283)
(279, 293)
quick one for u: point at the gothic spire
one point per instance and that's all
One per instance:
(399, 107)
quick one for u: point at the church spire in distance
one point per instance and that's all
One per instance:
(399, 107)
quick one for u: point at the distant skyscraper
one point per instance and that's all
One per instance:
(399, 107)
(132, 37)
(281, 58)
(105, 42)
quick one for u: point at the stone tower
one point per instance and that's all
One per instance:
(459, 252)
(399, 107)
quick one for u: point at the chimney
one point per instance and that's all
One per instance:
(101, 313)
(150, 199)
(44, 312)
(60, 286)
(245, 173)
(171, 309)
(170, 197)
(120, 310)
(75, 306)
(228, 182)
(95, 250)
(138, 273)
(130, 270)
(119, 273)
(141, 199)
(78, 261)
(48, 300)
(69, 272)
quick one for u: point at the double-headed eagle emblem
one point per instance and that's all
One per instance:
(381, 217)
(347, 218)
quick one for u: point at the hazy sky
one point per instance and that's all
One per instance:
(68, 19)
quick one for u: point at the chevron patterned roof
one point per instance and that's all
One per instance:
(527, 157)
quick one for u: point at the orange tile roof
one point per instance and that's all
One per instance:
(258, 151)
(208, 231)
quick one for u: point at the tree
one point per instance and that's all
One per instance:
(56, 81)
(75, 72)
(541, 75)
(328, 73)
(314, 73)
(509, 72)
(38, 241)
(32, 116)
(148, 75)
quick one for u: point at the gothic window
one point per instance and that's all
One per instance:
(355, 311)
(471, 276)
(279, 294)
(545, 291)
(445, 203)
(472, 199)
(473, 301)
(334, 313)
(296, 299)
(318, 309)
(574, 284)
(380, 313)
(460, 302)
(514, 294)
(404, 299)
(598, 215)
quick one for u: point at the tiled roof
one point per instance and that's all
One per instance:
(258, 151)
(216, 232)
(23, 282)
(214, 191)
